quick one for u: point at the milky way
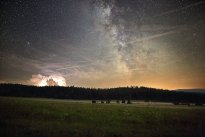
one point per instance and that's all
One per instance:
(103, 43)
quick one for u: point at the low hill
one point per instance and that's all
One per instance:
(192, 90)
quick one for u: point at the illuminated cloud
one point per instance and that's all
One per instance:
(52, 80)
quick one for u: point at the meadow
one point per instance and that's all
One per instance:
(30, 117)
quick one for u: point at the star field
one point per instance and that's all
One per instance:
(103, 43)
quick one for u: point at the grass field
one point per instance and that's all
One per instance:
(21, 117)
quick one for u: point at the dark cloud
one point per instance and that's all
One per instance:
(51, 82)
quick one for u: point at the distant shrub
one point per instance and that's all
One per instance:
(108, 101)
(198, 104)
(123, 101)
(176, 103)
(117, 101)
(147, 100)
(102, 101)
(129, 101)
(94, 101)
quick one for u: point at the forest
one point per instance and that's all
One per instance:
(120, 93)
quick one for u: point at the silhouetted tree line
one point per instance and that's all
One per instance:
(120, 93)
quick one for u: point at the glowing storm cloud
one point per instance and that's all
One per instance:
(52, 80)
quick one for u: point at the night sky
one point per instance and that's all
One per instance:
(103, 43)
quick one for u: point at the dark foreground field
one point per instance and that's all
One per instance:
(52, 118)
